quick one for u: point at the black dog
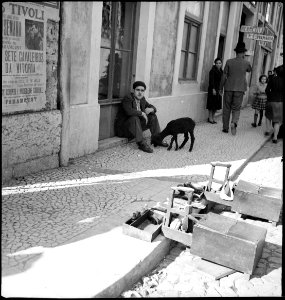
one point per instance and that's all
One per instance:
(174, 127)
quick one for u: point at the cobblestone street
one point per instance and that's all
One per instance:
(177, 276)
(98, 192)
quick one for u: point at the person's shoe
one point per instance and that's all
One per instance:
(225, 130)
(214, 122)
(145, 147)
(274, 141)
(162, 144)
(254, 124)
(266, 133)
(259, 123)
(233, 128)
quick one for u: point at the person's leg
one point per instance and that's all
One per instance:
(153, 124)
(276, 127)
(268, 126)
(210, 119)
(133, 125)
(213, 116)
(260, 117)
(255, 118)
(154, 128)
(236, 106)
(227, 109)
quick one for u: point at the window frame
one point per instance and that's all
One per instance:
(110, 99)
(190, 21)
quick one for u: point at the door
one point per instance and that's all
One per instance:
(115, 61)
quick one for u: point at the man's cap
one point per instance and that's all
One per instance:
(240, 47)
(139, 83)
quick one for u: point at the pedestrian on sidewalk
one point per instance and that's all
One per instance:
(260, 100)
(274, 104)
(234, 84)
(137, 115)
(214, 100)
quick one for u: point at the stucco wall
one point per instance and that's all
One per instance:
(170, 108)
(31, 140)
(29, 137)
(164, 48)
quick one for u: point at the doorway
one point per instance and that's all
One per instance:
(116, 55)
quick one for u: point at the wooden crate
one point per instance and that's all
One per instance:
(228, 242)
(257, 201)
(177, 235)
(142, 228)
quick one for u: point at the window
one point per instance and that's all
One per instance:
(189, 51)
(116, 50)
(190, 40)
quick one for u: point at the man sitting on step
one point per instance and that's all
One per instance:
(137, 115)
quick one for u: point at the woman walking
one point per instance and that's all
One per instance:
(214, 100)
(260, 100)
(274, 104)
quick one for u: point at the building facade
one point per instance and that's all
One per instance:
(79, 59)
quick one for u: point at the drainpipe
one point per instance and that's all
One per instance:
(64, 81)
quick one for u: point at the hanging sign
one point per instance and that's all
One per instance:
(251, 29)
(260, 37)
(23, 57)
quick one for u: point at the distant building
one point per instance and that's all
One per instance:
(91, 58)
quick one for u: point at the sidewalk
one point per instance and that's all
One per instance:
(61, 229)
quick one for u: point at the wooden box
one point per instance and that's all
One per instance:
(177, 235)
(257, 201)
(228, 242)
(142, 228)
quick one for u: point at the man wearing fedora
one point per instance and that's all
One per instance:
(234, 84)
(137, 115)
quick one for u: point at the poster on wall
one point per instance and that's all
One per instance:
(23, 57)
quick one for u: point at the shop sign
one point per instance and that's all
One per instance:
(251, 29)
(23, 57)
(260, 37)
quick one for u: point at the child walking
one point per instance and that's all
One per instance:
(260, 100)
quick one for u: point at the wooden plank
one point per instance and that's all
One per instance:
(141, 228)
(217, 223)
(177, 235)
(246, 186)
(256, 205)
(215, 271)
(215, 197)
(224, 248)
(270, 192)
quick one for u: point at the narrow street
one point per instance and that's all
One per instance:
(176, 275)
(48, 217)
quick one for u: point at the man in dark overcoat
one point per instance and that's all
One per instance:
(234, 83)
(137, 115)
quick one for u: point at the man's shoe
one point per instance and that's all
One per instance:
(162, 144)
(254, 125)
(144, 147)
(233, 128)
(225, 130)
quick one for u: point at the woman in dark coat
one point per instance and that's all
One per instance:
(214, 100)
(274, 104)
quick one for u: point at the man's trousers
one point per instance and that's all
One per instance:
(232, 103)
(136, 125)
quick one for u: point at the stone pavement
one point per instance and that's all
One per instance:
(177, 276)
(60, 225)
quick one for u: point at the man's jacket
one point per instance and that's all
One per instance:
(234, 77)
(127, 109)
